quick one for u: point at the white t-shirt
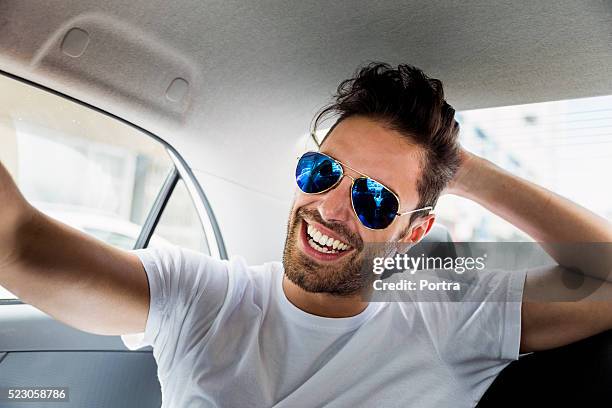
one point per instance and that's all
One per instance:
(225, 335)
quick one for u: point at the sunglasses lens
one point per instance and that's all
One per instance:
(316, 172)
(374, 204)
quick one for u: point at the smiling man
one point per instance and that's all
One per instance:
(361, 144)
(302, 333)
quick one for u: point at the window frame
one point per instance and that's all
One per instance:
(179, 171)
(157, 209)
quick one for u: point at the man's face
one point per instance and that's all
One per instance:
(385, 155)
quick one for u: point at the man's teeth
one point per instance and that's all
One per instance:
(323, 243)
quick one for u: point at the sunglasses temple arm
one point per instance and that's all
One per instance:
(314, 138)
(429, 208)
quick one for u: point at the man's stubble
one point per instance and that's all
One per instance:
(342, 278)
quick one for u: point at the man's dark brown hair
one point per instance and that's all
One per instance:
(406, 100)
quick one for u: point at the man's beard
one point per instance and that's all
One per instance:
(344, 277)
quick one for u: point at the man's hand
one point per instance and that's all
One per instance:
(460, 182)
(549, 219)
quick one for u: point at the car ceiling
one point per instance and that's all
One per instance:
(259, 70)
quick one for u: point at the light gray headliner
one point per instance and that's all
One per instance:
(260, 69)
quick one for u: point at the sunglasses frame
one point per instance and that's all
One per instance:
(353, 179)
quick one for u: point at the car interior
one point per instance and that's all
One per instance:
(187, 104)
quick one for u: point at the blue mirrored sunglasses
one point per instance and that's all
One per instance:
(375, 205)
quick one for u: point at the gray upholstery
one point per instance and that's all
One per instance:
(95, 379)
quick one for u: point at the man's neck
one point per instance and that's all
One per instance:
(323, 304)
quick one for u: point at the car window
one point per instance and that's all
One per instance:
(179, 223)
(79, 166)
(565, 146)
(113, 238)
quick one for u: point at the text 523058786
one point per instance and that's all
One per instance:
(34, 394)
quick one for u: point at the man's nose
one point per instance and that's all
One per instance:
(335, 204)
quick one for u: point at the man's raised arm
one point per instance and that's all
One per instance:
(559, 225)
(76, 279)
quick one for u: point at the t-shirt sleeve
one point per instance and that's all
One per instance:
(187, 290)
(478, 336)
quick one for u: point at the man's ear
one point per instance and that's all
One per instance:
(419, 230)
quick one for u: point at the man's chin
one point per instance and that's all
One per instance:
(338, 278)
